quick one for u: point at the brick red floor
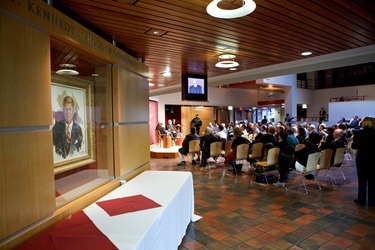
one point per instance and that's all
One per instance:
(241, 214)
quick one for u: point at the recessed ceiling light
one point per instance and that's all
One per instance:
(227, 56)
(167, 73)
(151, 84)
(306, 53)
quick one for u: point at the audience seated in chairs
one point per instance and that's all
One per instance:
(205, 142)
(184, 150)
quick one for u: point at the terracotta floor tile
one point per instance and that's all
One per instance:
(253, 232)
(256, 243)
(219, 235)
(286, 228)
(360, 230)
(267, 237)
(278, 233)
(278, 213)
(305, 210)
(239, 214)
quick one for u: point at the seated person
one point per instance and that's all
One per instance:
(286, 156)
(205, 143)
(160, 127)
(238, 140)
(312, 146)
(184, 150)
(172, 131)
(221, 132)
(222, 135)
(338, 142)
(268, 140)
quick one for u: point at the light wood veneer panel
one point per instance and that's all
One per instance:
(25, 89)
(130, 96)
(26, 179)
(188, 113)
(132, 148)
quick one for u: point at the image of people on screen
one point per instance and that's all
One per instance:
(195, 86)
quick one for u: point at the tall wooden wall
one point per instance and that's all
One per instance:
(26, 163)
(27, 191)
(206, 114)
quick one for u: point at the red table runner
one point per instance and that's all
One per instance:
(75, 232)
(127, 204)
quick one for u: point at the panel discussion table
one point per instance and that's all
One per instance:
(160, 227)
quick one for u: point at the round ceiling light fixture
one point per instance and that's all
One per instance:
(227, 61)
(68, 69)
(247, 7)
(227, 64)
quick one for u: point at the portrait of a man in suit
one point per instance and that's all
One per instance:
(67, 134)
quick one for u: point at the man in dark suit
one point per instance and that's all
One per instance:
(322, 114)
(197, 123)
(354, 123)
(67, 135)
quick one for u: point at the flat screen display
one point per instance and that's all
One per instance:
(194, 87)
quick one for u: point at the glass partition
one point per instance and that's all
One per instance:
(81, 123)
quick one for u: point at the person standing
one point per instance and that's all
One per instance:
(322, 114)
(288, 119)
(197, 123)
(363, 141)
(264, 120)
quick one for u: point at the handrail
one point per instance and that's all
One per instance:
(347, 98)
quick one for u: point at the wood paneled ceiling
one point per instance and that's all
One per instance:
(179, 34)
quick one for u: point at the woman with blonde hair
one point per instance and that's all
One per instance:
(364, 142)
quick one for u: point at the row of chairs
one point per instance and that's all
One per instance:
(316, 162)
(319, 161)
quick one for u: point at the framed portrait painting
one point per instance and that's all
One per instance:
(72, 123)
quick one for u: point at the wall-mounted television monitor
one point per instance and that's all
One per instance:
(194, 87)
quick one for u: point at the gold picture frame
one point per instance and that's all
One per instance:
(79, 150)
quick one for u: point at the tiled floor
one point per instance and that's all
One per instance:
(240, 214)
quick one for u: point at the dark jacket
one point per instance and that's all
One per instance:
(238, 141)
(205, 143)
(302, 155)
(162, 130)
(60, 142)
(185, 144)
(364, 142)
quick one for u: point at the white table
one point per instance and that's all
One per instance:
(157, 228)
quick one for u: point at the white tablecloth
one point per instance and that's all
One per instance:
(157, 228)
